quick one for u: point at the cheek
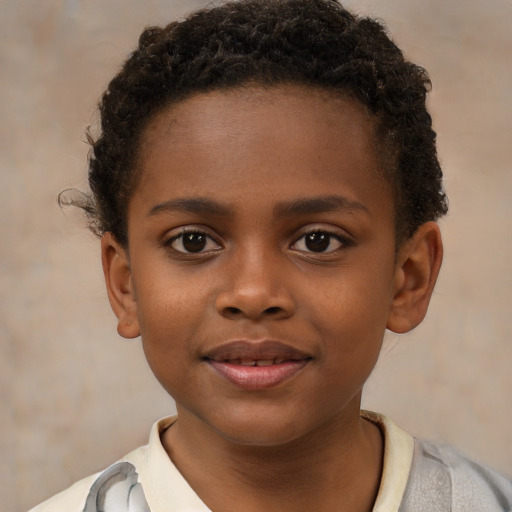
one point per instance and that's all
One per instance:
(165, 296)
(170, 307)
(161, 314)
(354, 313)
(167, 337)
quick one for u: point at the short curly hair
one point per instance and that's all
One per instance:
(311, 42)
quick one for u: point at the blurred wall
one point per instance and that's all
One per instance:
(74, 396)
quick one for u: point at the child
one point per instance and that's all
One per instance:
(266, 188)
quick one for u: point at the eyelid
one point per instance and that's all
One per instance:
(342, 236)
(177, 233)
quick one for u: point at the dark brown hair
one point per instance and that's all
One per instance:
(311, 42)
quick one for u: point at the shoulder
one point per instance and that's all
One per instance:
(441, 479)
(70, 500)
(77, 498)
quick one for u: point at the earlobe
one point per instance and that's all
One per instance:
(418, 264)
(118, 279)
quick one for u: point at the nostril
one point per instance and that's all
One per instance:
(232, 311)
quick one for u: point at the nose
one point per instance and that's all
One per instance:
(256, 288)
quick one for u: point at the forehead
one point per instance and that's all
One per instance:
(271, 141)
(206, 117)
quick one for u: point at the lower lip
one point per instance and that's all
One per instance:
(258, 377)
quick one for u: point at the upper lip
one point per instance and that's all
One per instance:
(255, 350)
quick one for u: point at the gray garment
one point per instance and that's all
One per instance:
(441, 480)
(117, 490)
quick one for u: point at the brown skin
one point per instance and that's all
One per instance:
(299, 445)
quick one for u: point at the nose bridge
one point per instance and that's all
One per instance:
(256, 284)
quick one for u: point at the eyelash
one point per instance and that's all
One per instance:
(344, 241)
(190, 233)
(325, 236)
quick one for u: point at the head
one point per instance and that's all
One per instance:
(266, 183)
(310, 42)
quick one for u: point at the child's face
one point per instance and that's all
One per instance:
(287, 255)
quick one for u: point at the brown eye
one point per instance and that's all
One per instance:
(319, 242)
(193, 242)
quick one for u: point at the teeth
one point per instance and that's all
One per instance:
(256, 362)
(264, 362)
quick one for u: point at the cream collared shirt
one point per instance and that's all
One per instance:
(417, 477)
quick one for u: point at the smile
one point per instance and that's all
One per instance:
(256, 365)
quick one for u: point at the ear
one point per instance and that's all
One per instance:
(118, 278)
(417, 267)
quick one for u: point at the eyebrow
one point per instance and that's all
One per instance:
(198, 205)
(311, 205)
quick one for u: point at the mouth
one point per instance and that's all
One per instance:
(256, 365)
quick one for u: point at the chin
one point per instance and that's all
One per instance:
(262, 437)
(259, 430)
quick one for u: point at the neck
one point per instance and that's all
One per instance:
(335, 467)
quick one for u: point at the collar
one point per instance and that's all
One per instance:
(163, 484)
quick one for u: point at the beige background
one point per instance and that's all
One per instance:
(74, 396)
